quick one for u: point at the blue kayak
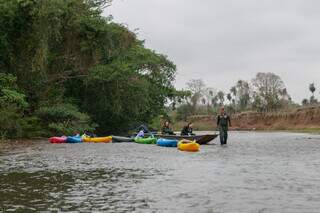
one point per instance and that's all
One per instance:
(167, 142)
(74, 140)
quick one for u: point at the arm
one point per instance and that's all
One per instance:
(218, 120)
(191, 132)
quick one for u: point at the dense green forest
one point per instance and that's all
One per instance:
(65, 68)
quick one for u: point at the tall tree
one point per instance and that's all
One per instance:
(312, 88)
(203, 101)
(243, 94)
(220, 96)
(229, 97)
(233, 91)
(197, 88)
(208, 94)
(71, 62)
(305, 102)
(268, 87)
(214, 101)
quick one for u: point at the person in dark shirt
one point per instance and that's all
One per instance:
(223, 124)
(88, 134)
(187, 130)
(166, 130)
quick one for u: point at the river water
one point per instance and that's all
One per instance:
(256, 172)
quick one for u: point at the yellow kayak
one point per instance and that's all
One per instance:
(98, 140)
(188, 146)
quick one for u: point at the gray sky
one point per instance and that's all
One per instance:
(222, 41)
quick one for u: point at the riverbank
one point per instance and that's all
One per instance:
(301, 120)
(306, 120)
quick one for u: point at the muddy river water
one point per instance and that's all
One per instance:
(256, 172)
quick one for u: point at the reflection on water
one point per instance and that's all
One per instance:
(69, 191)
(256, 172)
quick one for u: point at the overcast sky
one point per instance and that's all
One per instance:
(222, 41)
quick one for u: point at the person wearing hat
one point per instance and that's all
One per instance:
(223, 124)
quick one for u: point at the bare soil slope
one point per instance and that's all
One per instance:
(299, 119)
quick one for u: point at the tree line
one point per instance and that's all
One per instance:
(265, 93)
(312, 100)
(66, 68)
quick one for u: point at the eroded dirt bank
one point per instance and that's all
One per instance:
(299, 119)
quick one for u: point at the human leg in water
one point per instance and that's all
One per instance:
(223, 137)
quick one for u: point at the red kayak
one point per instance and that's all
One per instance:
(58, 140)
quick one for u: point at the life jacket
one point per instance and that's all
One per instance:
(186, 130)
(140, 134)
(223, 120)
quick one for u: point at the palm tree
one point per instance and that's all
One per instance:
(229, 97)
(233, 91)
(312, 88)
(221, 97)
(203, 100)
(214, 101)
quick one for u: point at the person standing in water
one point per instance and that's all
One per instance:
(223, 124)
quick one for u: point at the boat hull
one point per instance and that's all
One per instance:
(200, 139)
(120, 139)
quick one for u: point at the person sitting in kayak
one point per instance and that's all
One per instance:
(140, 134)
(88, 134)
(187, 130)
(166, 130)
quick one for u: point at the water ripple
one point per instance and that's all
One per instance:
(256, 172)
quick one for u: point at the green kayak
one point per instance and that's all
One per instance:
(145, 140)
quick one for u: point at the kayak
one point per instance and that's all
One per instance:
(145, 140)
(119, 139)
(188, 146)
(167, 142)
(98, 140)
(74, 140)
(58, 139)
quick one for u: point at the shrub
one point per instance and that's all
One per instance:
(64, 119)
(12, 105)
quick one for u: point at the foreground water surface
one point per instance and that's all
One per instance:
(256, 172)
